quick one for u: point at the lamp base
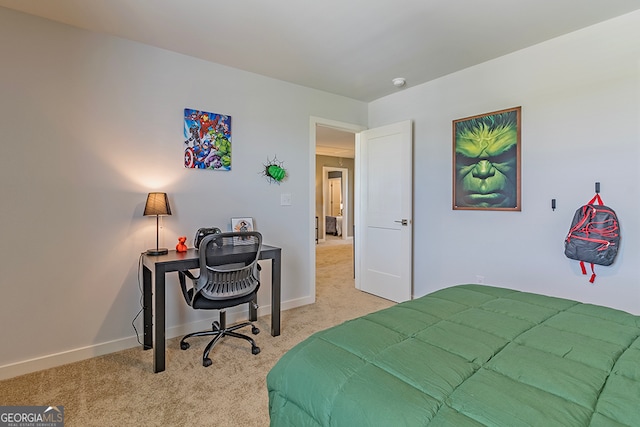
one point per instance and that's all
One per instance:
(157, 251)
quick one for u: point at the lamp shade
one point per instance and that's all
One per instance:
(157, 204)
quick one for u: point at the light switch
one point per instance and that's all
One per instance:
(285, 199)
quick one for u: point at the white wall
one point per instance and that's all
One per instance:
(580, 98)
(88, 125)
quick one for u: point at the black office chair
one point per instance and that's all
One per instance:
(229, 276)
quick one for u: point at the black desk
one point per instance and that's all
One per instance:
(157, 266)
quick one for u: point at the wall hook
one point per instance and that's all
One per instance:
(597, 188)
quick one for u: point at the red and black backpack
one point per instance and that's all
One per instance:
(594, 236)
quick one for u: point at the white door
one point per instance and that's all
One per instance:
(384, 252)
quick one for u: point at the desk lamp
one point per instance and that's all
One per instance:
(157, 204)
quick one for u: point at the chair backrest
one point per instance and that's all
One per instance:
(229, 265)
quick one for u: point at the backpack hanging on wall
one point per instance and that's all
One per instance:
(594, 236)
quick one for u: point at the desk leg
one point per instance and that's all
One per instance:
(253, 313)
(158, 309)
(147, 314)
(275, 294)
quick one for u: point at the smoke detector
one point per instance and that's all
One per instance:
(399, 82)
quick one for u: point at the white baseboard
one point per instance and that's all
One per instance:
(52, 360)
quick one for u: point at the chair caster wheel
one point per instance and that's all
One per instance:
(255, 331)
(184, 345)
(206, 362)
(255, 350)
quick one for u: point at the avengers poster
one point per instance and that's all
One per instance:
(207, 140)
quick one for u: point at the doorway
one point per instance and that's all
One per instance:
(337, 204)
(339, 157)
(381, 231)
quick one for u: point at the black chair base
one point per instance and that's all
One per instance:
(219, 330)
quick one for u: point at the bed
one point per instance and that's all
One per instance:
(468, 355)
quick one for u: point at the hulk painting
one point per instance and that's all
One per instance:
(486, 161)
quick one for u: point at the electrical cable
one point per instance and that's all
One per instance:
(133, 322)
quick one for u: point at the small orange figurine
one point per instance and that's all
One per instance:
(181, 247)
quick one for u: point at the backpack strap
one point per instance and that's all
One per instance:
(596, 198)
(584, 271)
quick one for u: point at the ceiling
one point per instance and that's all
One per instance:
(334, 143)
(352, 48)
(347, 47)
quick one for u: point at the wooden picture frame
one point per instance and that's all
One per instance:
(486, 161)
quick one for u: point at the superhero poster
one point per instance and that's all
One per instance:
(207, 140)
(486, 161)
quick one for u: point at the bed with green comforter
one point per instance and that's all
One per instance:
(468, 355)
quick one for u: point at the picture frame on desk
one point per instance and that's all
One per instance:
(241, 224)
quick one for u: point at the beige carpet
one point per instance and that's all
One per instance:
(120, 389)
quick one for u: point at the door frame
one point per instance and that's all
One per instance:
(345, 197)
(311, 209)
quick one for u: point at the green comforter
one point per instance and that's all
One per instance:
(469, 355)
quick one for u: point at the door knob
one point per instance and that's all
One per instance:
(403, 222)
